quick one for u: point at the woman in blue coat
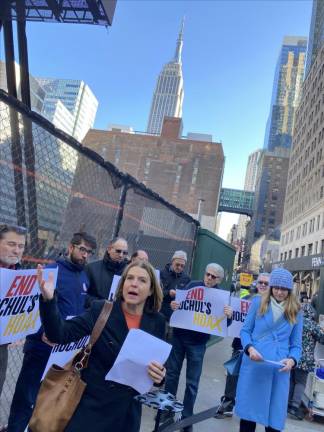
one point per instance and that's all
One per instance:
(272, 331)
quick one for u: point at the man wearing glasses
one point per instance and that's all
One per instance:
(12, 245)
(71, 291)
(225, 409)
(101, 273)
(192, 345)
(173, 276)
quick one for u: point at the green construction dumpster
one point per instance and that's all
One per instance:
(211, 248)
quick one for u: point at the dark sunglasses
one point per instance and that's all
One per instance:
(263, 283)
(120, 251)
(212, 276)
(20, 230)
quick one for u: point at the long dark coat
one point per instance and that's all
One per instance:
(101, 274)
(105, 406)
(171, 280)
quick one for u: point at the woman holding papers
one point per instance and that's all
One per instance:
(106, 405)
(271, 339)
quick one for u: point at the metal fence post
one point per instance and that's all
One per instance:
(29, 151)
(119, 216)
(194, 249)
(16, 150)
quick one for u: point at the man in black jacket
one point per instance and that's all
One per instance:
(102, 272)
(172, 277)
(191, 345)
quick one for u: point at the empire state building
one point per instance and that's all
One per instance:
(168, 94)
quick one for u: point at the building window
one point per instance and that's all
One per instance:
(310, 249)
(316, 247)
(298, 232)
(285, 256)
(318, 222)
(311, 225)
(305, 229)
(302, 251)
(322, 246)
(281, 256)
(290, 254)
(296, 252)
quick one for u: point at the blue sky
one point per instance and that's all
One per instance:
(229, 56)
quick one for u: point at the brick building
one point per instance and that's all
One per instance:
(182, 170)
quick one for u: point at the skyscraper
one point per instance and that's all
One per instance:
(270, 191)
(316, 33)
(251, 175)
(70, 105)
(37, 93)
(168, 94)
(286, 92)
(302, 234)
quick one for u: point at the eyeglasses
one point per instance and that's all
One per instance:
(212, 276)
(179, 265)
(263, 283)
(20, 230)
(82, 249)
(120, 251)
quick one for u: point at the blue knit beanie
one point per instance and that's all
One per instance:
(281, 277)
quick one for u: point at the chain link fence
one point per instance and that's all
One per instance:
(55, 187)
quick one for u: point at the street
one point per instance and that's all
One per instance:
(211, 388)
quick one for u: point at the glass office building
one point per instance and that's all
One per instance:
(286, 92)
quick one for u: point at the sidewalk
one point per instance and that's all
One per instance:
(211, 389)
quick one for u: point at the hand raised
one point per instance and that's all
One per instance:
(46, 287)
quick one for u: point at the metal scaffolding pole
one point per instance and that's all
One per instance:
(29, 150)
(16, 150)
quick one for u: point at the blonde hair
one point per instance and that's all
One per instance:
(292, 306)
(154, 301)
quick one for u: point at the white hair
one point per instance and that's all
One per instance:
(263, 275)
(217, 269)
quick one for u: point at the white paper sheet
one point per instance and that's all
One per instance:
(138, 351)
(275, 364)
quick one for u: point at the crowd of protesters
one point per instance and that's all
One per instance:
(277, 329)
